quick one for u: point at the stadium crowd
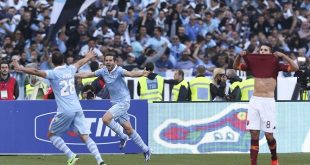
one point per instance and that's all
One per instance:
(200, 37)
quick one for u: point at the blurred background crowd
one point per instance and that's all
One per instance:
(179, 37)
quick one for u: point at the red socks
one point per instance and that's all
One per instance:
(254, 151)
(273, 149)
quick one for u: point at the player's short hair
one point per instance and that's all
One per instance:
(111, 54)
(268, 45)
(149, 66)
(57, 58)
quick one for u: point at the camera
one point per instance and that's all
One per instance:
(88, 92)
(90, 95)
(303, 74)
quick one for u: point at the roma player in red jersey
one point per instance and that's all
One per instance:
(261, 110)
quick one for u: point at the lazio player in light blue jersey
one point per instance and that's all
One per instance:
(117, 116)
(69, 111)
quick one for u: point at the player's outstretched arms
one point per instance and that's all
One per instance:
(136, 73)
(85, 74)
(32, 71)
(90, 54)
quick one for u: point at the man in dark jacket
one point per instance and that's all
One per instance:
(234, 88)
(180, 87)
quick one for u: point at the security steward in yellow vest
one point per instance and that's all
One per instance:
(247, 89)
(180, 87)
(151, 87)
(199, 87)
(234, 92)
(304, 95)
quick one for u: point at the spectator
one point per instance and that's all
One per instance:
(304, 31)
(77, 36)
(104, 33)
(130, 63)
(25, 25)
(144, 37)
(158, 40)
(19, 77)
(150, 55)
(227, 29)
(92, 44)
(19, 41)
(173, 23)
(201, 59)
(192, 29)
(147, 20)
(176, 49)
(221, 61)
(186, 61)
(160, 20)
(9, 89)
(137, 47)
(184, 38)
(163, 63)
(117, 46)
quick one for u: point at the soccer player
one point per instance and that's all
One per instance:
(261, 109)
(69, 111)
(117, 116)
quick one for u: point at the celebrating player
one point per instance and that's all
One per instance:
(117, 116)
(69, 111)
(261, 109)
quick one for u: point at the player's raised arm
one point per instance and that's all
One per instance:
(90, 54)
(85, 74)
(237, 61)
(32, 71)
(136, 73)
(293, 66)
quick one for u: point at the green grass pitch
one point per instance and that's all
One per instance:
(177, 159)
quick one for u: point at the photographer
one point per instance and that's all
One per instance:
(218, 87)
(88, 93)
(302, 87)
(234, 88)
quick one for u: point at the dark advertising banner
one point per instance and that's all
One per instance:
(24, 126)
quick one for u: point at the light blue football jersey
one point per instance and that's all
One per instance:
(62, 82)
(115, 83)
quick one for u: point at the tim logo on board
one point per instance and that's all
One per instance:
(101, 134)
